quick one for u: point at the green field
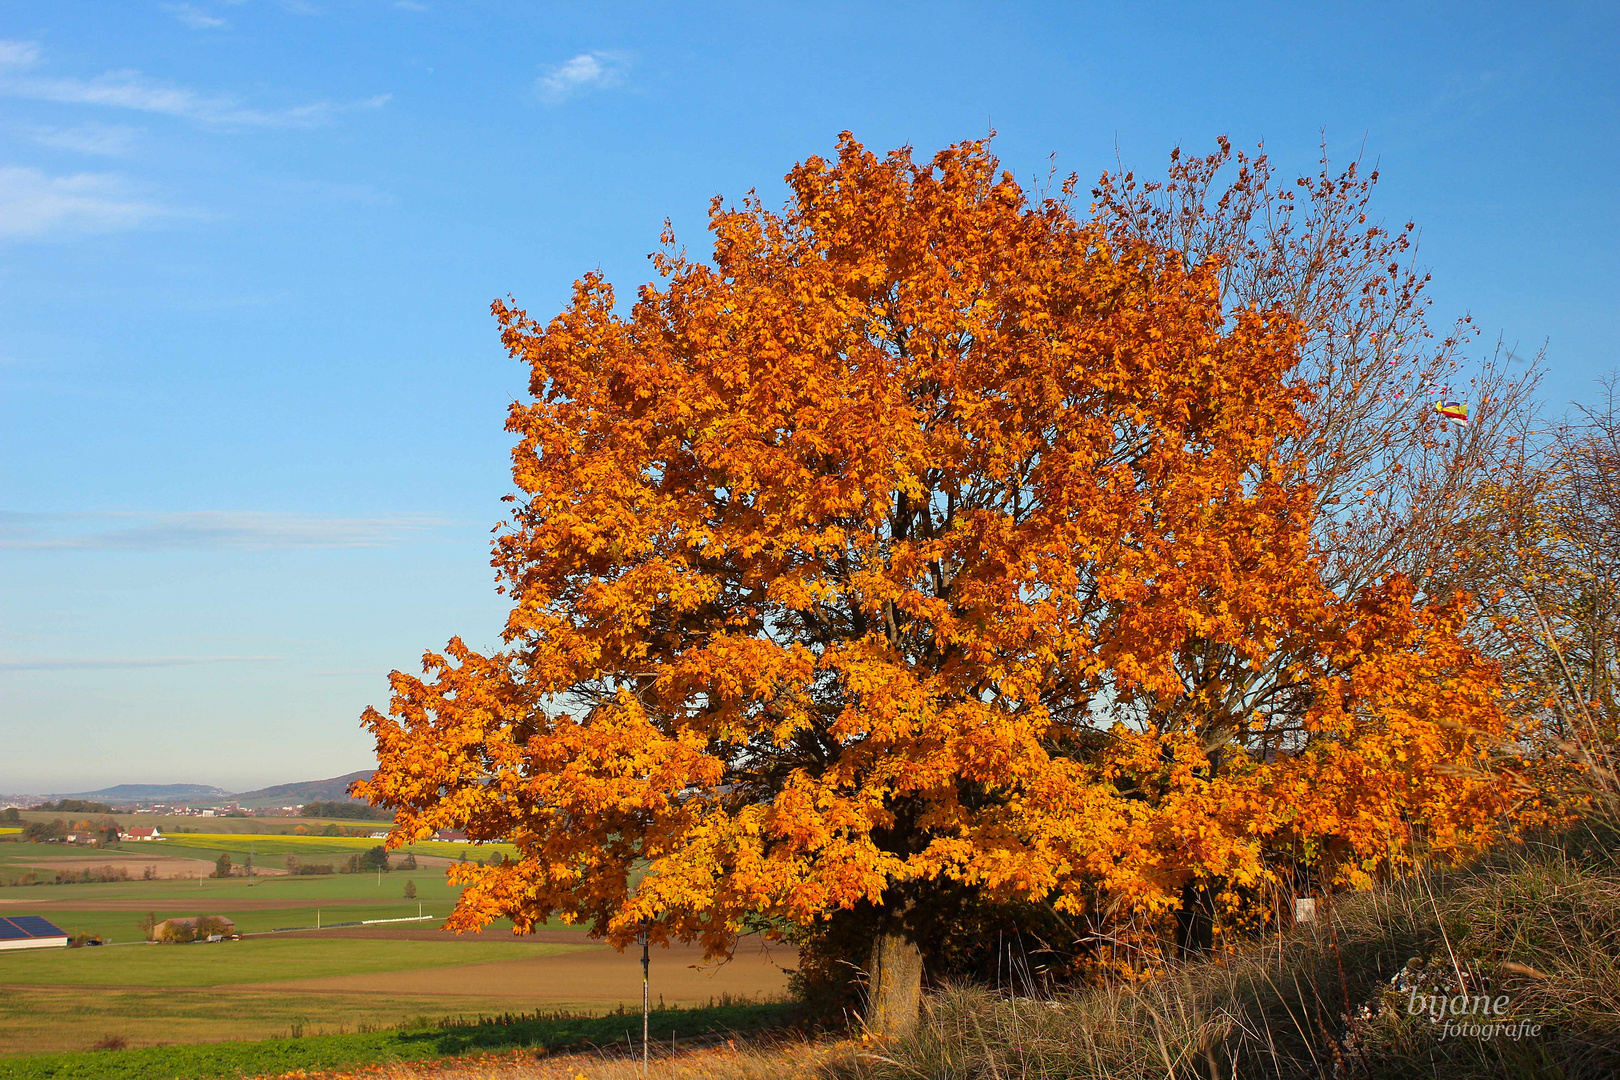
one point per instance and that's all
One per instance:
(114, 910)
(267, 847)
(172, 823)
(263, 987)
(252, 960)
(410, 1042)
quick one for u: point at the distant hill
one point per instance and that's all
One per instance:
(333, 790)
(127, 793)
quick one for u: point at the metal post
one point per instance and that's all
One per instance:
(645, 961)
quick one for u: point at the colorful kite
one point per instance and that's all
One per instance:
(1452, 410)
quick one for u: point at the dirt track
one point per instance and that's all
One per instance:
(595, 976)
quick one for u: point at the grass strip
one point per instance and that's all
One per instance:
(273, 1057)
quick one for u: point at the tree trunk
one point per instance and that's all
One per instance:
(894, 986)
(1195, 921)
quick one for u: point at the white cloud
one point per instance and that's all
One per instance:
(110, 140)
(193, 16)
(587, 71)
(18, 53)
(34, 205)
(129, 89)
(248, 530)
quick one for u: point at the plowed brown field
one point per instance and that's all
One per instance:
(595, 977)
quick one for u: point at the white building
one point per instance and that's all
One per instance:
(30, 932)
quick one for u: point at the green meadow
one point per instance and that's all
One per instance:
(266, 959)
(271, 985)
(411, 1040)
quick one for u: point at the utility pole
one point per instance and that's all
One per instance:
(646, 960)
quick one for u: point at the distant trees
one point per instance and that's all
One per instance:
(410, 890)
(42, 832)
(92, 875)
(74, 806)
(347, 810)
(222, 866)
(9, 816)
(181, 931)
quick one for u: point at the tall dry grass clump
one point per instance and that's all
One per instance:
(1539, 924)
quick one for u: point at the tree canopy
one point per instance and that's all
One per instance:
(931, 540)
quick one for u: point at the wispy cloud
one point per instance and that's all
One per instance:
(238, 530)
(113, 663)
(107, 140)
(34, 205)
(193, 16)
(129, 89)
(587, 71)
(18, 53)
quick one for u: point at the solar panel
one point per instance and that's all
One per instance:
(34, 926)
(8, 932)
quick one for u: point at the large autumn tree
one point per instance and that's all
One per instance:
(928, 543)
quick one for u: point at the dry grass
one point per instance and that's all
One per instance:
(1541, 925)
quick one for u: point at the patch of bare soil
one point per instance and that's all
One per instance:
(166, 866)
(595, 976)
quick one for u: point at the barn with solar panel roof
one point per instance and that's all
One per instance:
(30, 932)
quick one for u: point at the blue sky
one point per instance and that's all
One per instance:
(250, 395)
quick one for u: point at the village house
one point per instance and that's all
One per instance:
(153, 833)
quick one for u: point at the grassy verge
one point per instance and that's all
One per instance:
(277, 1056)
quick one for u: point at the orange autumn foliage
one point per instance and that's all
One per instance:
(930, 535)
